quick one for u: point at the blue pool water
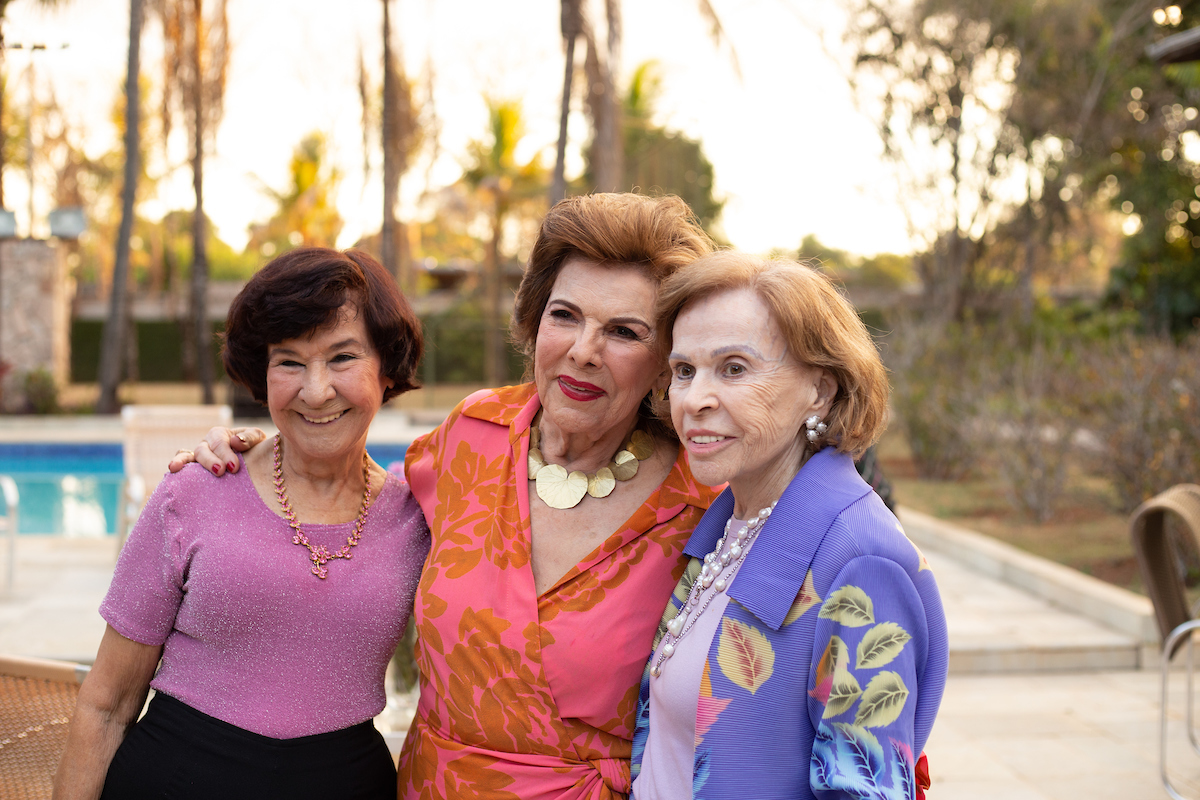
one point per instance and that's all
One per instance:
(74, 489)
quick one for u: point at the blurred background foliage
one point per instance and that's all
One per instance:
(1044, 323)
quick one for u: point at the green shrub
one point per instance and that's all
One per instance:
(41, 392)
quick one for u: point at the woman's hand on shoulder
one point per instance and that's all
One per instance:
(218, 452)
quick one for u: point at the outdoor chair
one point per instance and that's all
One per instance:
(8, 524)
(152, 436)
(1163, 573)
(37, 699)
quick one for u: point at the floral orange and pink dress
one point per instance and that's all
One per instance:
(524, 696)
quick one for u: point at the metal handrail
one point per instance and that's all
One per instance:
(12, 499)
(1169, 647)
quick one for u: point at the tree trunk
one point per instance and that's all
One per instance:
(391, 173)
(571, 24)
(493, 334)
(605, 108)
(204, 364)
(111, 348)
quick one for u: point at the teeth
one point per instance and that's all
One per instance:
(323, 420)
(707, 439)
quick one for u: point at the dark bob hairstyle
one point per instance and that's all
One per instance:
(301, 292)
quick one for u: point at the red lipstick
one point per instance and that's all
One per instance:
(579, 390)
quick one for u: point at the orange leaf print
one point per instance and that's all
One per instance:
(708, 708)
(745, 655)
(805, 599)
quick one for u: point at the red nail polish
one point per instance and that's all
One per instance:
(216, 470)
(231, 466)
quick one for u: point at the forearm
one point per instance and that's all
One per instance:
(94, 737)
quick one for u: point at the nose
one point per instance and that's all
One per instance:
(587, 346)
(697, 396)
(317, 388)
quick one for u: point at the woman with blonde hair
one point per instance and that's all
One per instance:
(803, 654)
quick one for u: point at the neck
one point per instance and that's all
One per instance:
(587, 451)
(753, 492)
(343, 472)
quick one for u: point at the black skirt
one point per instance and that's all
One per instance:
(180, 753)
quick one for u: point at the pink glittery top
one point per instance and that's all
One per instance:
(249, 634)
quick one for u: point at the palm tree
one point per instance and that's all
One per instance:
(115, 326)
(493, 170)
(601, 66)
(3, 46)
(195, 59)
(400, 139)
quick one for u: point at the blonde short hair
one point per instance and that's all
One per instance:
(821, 328)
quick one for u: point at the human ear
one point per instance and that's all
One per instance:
(827, 388)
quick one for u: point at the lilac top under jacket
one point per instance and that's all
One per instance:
(825, 675)
(249, 634)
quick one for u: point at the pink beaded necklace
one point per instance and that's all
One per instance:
(319, 555)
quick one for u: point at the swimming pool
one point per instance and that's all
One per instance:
(74, 489)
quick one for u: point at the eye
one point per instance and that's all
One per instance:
(561, 313)
(625, 333)
(683, 372)
(287, 362)
(343, 357)
(734, 369)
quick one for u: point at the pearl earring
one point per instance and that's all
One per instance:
(816, 428)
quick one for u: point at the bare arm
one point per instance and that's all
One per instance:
(109, 701)
(217, 452)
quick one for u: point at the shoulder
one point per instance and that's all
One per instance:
(398, 502)
(680, 486)
(499, 406)
(494, 407)
(194, 484)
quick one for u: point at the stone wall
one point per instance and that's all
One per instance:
(35, 316)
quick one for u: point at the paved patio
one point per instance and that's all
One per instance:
(1053, 694)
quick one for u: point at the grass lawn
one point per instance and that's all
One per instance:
(1087, 532)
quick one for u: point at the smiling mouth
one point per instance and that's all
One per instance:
(325, 420)
(707, 439)
(576, 391)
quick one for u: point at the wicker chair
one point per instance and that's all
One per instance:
(37, 699)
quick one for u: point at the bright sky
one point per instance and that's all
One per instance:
(792, 154)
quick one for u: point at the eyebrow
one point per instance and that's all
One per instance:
(720, 351)
(613, 321)
(344, 344)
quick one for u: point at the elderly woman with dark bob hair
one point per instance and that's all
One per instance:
(274, 598)
(803, 654)
(558, 510)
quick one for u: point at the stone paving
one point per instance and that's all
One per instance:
(1044, 701)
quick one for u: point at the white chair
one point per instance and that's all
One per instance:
(12, 500)
(152, 436)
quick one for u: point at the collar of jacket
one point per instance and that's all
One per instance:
(773, 573)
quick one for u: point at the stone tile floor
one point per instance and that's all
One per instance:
(1036, 735)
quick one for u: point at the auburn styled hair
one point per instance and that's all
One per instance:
(304, 290)
(820, 326)
(658, 234)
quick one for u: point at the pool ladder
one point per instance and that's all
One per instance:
(12, 499)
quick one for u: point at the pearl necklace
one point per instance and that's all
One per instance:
(320, 555)
(710, 575)
(561, 489)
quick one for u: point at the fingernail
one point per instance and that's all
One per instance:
(241, 438)
(232, 467)
(216, 469)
